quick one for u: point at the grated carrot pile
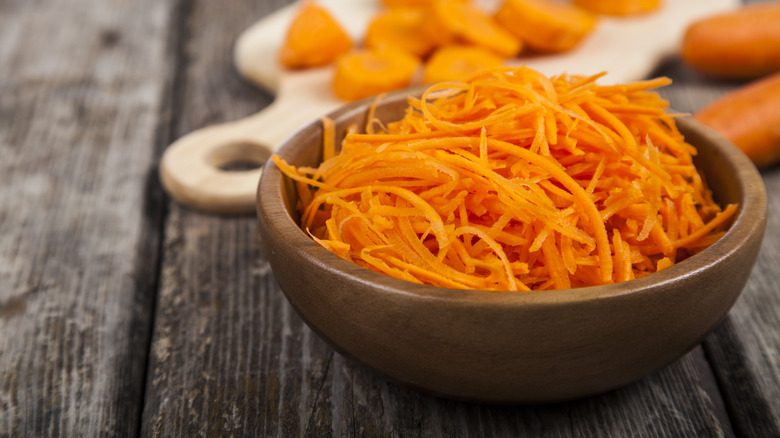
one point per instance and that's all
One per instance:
(511, 180)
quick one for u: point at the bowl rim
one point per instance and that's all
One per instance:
(748, 224)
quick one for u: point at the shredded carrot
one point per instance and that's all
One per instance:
(328, 138)
(510, 180)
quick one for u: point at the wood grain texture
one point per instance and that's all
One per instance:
(216, 291)
(82, 90)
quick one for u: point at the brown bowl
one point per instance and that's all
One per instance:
(511, 347)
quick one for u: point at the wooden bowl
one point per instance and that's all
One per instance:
(511, 347)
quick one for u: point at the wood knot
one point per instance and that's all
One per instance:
(109, 38)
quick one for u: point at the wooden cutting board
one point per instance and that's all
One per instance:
(628, 49)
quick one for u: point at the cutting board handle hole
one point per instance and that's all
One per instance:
(240, 166)
(238, 156)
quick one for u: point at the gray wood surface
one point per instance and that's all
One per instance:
(82, 86)
(124, 314)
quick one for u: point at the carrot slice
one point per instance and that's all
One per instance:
(407, 3)
(399, 28)
(313, 39)
(510, 180)
(451, 63)
(461, 22)
(546, 25)
(619, 7)
(365, 73)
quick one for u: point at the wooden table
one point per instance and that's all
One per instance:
(123, 313)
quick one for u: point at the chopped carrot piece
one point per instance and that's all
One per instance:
(399, 28)
(510, 180)
(313, 39)
(664, 263)
(461, 22)
(546, 25)
(619, 7)
(407, 3)
(451, 63)
(365, 73)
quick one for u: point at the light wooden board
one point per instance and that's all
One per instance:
(626, 48)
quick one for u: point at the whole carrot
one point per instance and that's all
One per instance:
(750, 118)
(741, 44)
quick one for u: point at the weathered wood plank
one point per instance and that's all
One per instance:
(81, 91)
(217, 306)
(230, 357)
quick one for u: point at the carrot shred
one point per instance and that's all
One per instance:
(510, 180)
(328, 138)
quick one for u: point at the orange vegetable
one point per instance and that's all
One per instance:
(750, 118)
(514, 181)
(365, 73)
(313, 39)
(460, 22)
(546, 25)
(619, 7)
(739, 44)
(407, 3)
(451, 63)
(399, 28)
